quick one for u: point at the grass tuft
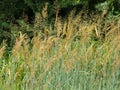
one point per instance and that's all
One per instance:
(76, 57)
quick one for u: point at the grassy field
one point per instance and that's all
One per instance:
(79, 54)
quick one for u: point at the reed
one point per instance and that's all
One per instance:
(78, 61)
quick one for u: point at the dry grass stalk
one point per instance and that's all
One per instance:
(2, 50)
(17, 47)
(44, 11)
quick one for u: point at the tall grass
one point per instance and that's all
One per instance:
(76, 57)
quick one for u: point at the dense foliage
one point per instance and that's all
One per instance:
(59, 45)
(13, 11)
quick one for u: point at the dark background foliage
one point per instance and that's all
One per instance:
(11, 11)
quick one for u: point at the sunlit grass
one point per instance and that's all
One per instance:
(76, 57)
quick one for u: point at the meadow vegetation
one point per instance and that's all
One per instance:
(77, 53)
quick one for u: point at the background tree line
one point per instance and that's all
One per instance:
(12, 11)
